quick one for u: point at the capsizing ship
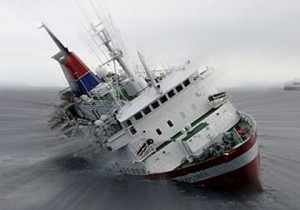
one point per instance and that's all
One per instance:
(174, 126)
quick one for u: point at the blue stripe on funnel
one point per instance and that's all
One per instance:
(87, 82)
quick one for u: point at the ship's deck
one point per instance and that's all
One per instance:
(238, 134)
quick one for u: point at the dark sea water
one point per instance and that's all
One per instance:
(38, 169)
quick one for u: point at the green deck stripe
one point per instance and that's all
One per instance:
(176, 135)
(203, 116)
(163, 145)
(195, 130)
(195, 122)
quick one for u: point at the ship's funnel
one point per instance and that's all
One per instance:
(85, 79)
(81, 80)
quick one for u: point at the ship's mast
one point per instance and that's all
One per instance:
(133, 84)
(115, 53)
(148, 72)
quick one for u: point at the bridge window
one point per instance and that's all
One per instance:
(179, 88)
(158, 131)
(171, 93)
(138, 116)
(147, 110)
(182, 114)
(170, 123)
(127, 123)
(132, 130)
(163, 99)
(186, 82)
(155, 105)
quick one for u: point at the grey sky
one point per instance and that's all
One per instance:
(253, 42)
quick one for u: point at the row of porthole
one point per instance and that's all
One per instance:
(157, 103)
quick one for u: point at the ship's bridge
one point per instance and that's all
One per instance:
(150, 95)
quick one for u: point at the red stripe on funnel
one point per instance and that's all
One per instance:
(75, 65)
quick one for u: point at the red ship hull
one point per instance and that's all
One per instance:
(236, 169)
(247, 177)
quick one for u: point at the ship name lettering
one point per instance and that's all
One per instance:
(196, 176)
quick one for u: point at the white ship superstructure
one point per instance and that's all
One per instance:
(178, 120)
